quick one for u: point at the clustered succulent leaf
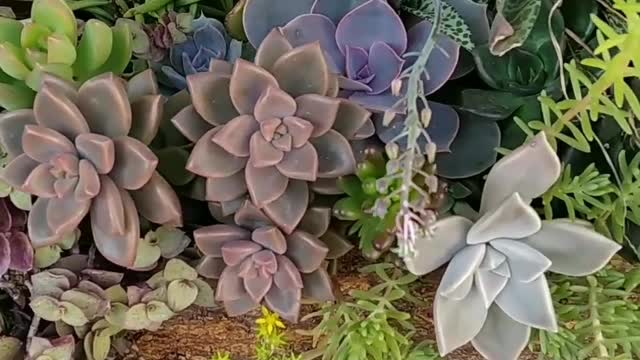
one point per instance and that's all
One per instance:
(79, 155)
(16, 252)
(61, 348)
(166, 242)
(49, 44)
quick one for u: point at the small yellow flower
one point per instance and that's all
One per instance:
(269, 322)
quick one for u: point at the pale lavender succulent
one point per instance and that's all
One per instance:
(16, 252)
(494, 289)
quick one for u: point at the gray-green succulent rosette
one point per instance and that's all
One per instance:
(494, 289)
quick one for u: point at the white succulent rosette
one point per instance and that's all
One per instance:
(494, 289)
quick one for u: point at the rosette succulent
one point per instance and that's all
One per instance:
(255, 261)
(16, 252)
(494, 289)
(268, 128)
(85, 151)
(49, 44)
(208, 41)
(170, 30)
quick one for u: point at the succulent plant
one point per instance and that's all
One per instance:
(255, 261)
(166, 242)
(494, 289)
(208, 41)
(16, 252)
(170, 30)
(49, 45)
(85, 150)
(274, 126)
(11, 348)
(61, 348)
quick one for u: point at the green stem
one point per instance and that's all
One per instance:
(148, 6)
(598, 337)
(81, 4)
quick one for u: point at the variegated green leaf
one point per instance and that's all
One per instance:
(513, 24)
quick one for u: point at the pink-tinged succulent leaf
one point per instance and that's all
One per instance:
(105, 105)
(318, 286)
(103, 278)
(261, 16)
(303, 70)
(306, 251)
(65, 186)
(385, 64)
(18, 170)
(235, 135)
(142, 84)
(58, 112)
(338, 245)
(109, 203)
(287, 276)
(263, 153)
(258, 287)
(37, 224)
(157, 202)
(206, 86)
(210, 267)
(134, 164)
(190, 124)
(248, 83)
(265, 184)
(88, 181)
(120, 249)
(240, 306)
(285, 302)
(381, 102)
(251, 217)
(299, 129)
(98, 149)
(5, 254)
(65, 214)
(60, 86)
(320, 111)
(273, 47)
(210, 239)
(288, 209)
(210, 160)
(309, 28)
(335, 10)
(230, 285)
(350, 119)
(12, 126)
(334, 154)
(372, 21)
(300, 164)
(147, 113)
(43, 144)
(271, 238)
(21, 252)
(443, 59)
(217, 66)
(18, 216)
(226, 188)
(316, 221)
(41, 182)
(234, 251)
(274, 103)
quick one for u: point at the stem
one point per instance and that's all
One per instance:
(598, 337)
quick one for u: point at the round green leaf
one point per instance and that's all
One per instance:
(205, 294)
(20, 199)
(94, 49)
(10, 30)
(47, 256)
(136, 317)
(5, 189)
(90, 304)
(117, 294)
(172, 163)
(171, 241)
(117, 315)
(60, 50)
(120, 52)
(157, 280)
(101, 346)
(158, 311)
(72, 315)
(181, 294)
(82, 331)
(10, 348)
(55, 15)
(177, 269)
(47, 308)
(148, 253)
(69, 240)
(12, 61)
(87, 345)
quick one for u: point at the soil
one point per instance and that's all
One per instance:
(199, 333)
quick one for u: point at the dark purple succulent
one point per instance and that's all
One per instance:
(16, 252)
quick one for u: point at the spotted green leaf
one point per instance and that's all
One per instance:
(181, 294)
(513, 23)
(94, 49)
(451, 23)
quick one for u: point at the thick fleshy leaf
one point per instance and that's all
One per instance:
(370, 22)
(146, 113)
(157, 202)
(226, 188)
(308, 28)
(529, 303)
(525, 263)
(335, 157)
(204, 87)
(335, 10)
(249, 216)
(17, 96)
(501, 338)
(210, 267)
(512, 24)
(316, 221)
(275, 45)
(573, 249)
(235, 251)
(104, 102)
(134, 164)
(385, 64)
(54, 110)
(301, 164)
(460, 271)
(181, 294)
(512, 219)
(94, 49)
(274, 103)
(240, 306)
(98, 149)
(230, 285)
(65, 214)
(248, 83)
(117, 244)
(287, 210)
(39, 232)
(258, 287)
(321, 111)
(350, 119)
(287, 276)
(285, 302)
(318, 286)
(44, 145)
(210, 160)
(261, 16)
(18, 170)
(142, 84)
(303, 70)
(88, 181)
(449, 238)
(21, 252)
(190, 124)
(265, 184)
(306, 251)
(489, 284)
(383, 102)
(12, 126)
(529, 170)
(458, 321)
(211, 238)
(235, 135)
(40, 182)
(271, 238)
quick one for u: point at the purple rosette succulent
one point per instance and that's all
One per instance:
(208, 41)
(16, 252)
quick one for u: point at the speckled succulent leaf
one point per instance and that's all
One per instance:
(513, 23)
(494, 289)
(475, 15)
(81, 161)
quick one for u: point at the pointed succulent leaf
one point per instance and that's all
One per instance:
(157, 280)
(158, 311)
(12, 61)
(60, 50)
(118, 315)
(21, 200)
(205, 296)
(179, 270)
(10, 30)
(35, 36)
(121, 50)
(101, 345)
(181, 294)
(94, 49)
(117, 294)
(91, 305)
(47, 308)
(56, 16)
(47, 256)
(72, 314)
(171, 241)
(147, 255)
(136, 317)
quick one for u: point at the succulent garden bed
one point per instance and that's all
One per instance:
(319, 179)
